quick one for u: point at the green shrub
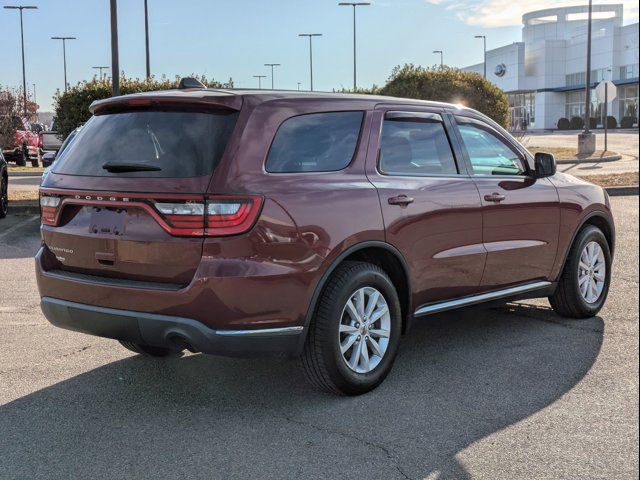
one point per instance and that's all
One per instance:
(564, 124)
(612, 122)
(594, 122)
(627, 122)
(446, 84)
(72, 107)
(576, 123)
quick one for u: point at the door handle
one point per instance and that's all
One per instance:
(402, 200)
(494, 197)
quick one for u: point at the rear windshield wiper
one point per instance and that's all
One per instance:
(129, 167)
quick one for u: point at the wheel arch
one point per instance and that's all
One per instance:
(383, 254)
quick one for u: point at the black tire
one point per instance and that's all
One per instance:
(4, 196)
(321, 359)
(22, 158)
(567, 301)
(35, 162)
(149, 350)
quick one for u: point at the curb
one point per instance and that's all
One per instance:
(24, 174)
(621, 191)
(610, 158)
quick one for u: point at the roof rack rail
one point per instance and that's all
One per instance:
(190, 82)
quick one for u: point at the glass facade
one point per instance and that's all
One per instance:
(522, 110)
(628, 101)
(580, 78)
(574, 104)
(629, 71)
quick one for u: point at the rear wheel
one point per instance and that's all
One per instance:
(354, 335)
(22, 158)
(584, 283)
(149, 350)
(4, 196)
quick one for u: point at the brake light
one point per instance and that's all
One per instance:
(231, 215)
(49, 209)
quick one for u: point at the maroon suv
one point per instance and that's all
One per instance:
(306, 224)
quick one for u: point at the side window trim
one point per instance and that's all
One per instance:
(425, 117)
(469, 166)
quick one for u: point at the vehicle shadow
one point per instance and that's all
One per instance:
(459, 377)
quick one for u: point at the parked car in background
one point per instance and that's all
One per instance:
(51, 142)
(4, 187)
(26, 144)
(313, 225)
(49, 157)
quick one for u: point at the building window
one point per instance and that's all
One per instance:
(522, 110)
(629, 71)
(574, 105)
(580, 78)
(628, 95)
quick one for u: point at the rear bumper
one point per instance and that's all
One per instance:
(169, 331)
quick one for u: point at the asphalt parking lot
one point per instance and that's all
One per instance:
(497, 392)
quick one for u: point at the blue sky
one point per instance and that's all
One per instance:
(234, 38)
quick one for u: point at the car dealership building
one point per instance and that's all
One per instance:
(544, 74)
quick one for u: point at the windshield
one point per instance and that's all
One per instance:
(162, 144)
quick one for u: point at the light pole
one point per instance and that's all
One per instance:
(100, 70)
(484, 41)
(310, 35)
(299, 83)
(24, 77)
(354, 5)
(260, 77)
(64, 56)
(115, 60)
(146, 38)
(441, 57)
(272, 65)
(34, 93)
(586, 139)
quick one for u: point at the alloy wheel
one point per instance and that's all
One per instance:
(592, 271)
(365, 329)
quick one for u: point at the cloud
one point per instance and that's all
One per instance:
(508, 13)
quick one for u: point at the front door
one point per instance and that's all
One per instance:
(431, 207)
(521, 214)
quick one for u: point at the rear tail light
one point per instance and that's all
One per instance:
(49, 209)
(191, 217)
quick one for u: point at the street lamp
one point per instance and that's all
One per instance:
(586, 139)
(310, 35)
(441, 57)
(24, 77)
(115, 59)
(146, 39)
(299, 83)
(100, 70)
(271, 65)
(484, 41)
(260, 77)
(64, 56)
(354, 5)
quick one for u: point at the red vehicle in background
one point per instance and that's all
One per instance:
(26, 145)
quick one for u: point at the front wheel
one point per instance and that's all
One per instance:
(354, 335)
(584, 283)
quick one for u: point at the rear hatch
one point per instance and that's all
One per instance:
(127, 199)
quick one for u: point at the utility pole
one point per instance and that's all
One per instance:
(310, 35)
(34, 93)
(146, 38)
(260, 77)
(441, 57)
(354, 5)
(100, 71)
(115, 61)
(272, 65)
(64, 56)
(484, 41)
(24, 76)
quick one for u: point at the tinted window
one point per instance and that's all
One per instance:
(489, 155)
(415, 148)
(319, 142)
(180, 144)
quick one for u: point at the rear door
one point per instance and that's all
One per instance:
(431, 207)
(126, 199)
(521, 214)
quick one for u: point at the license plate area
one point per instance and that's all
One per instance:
(107, 221)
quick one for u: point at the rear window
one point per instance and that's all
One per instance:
(318, 142)
(164, 144)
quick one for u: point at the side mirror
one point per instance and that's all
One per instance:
(48, 158)
(545, 164)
